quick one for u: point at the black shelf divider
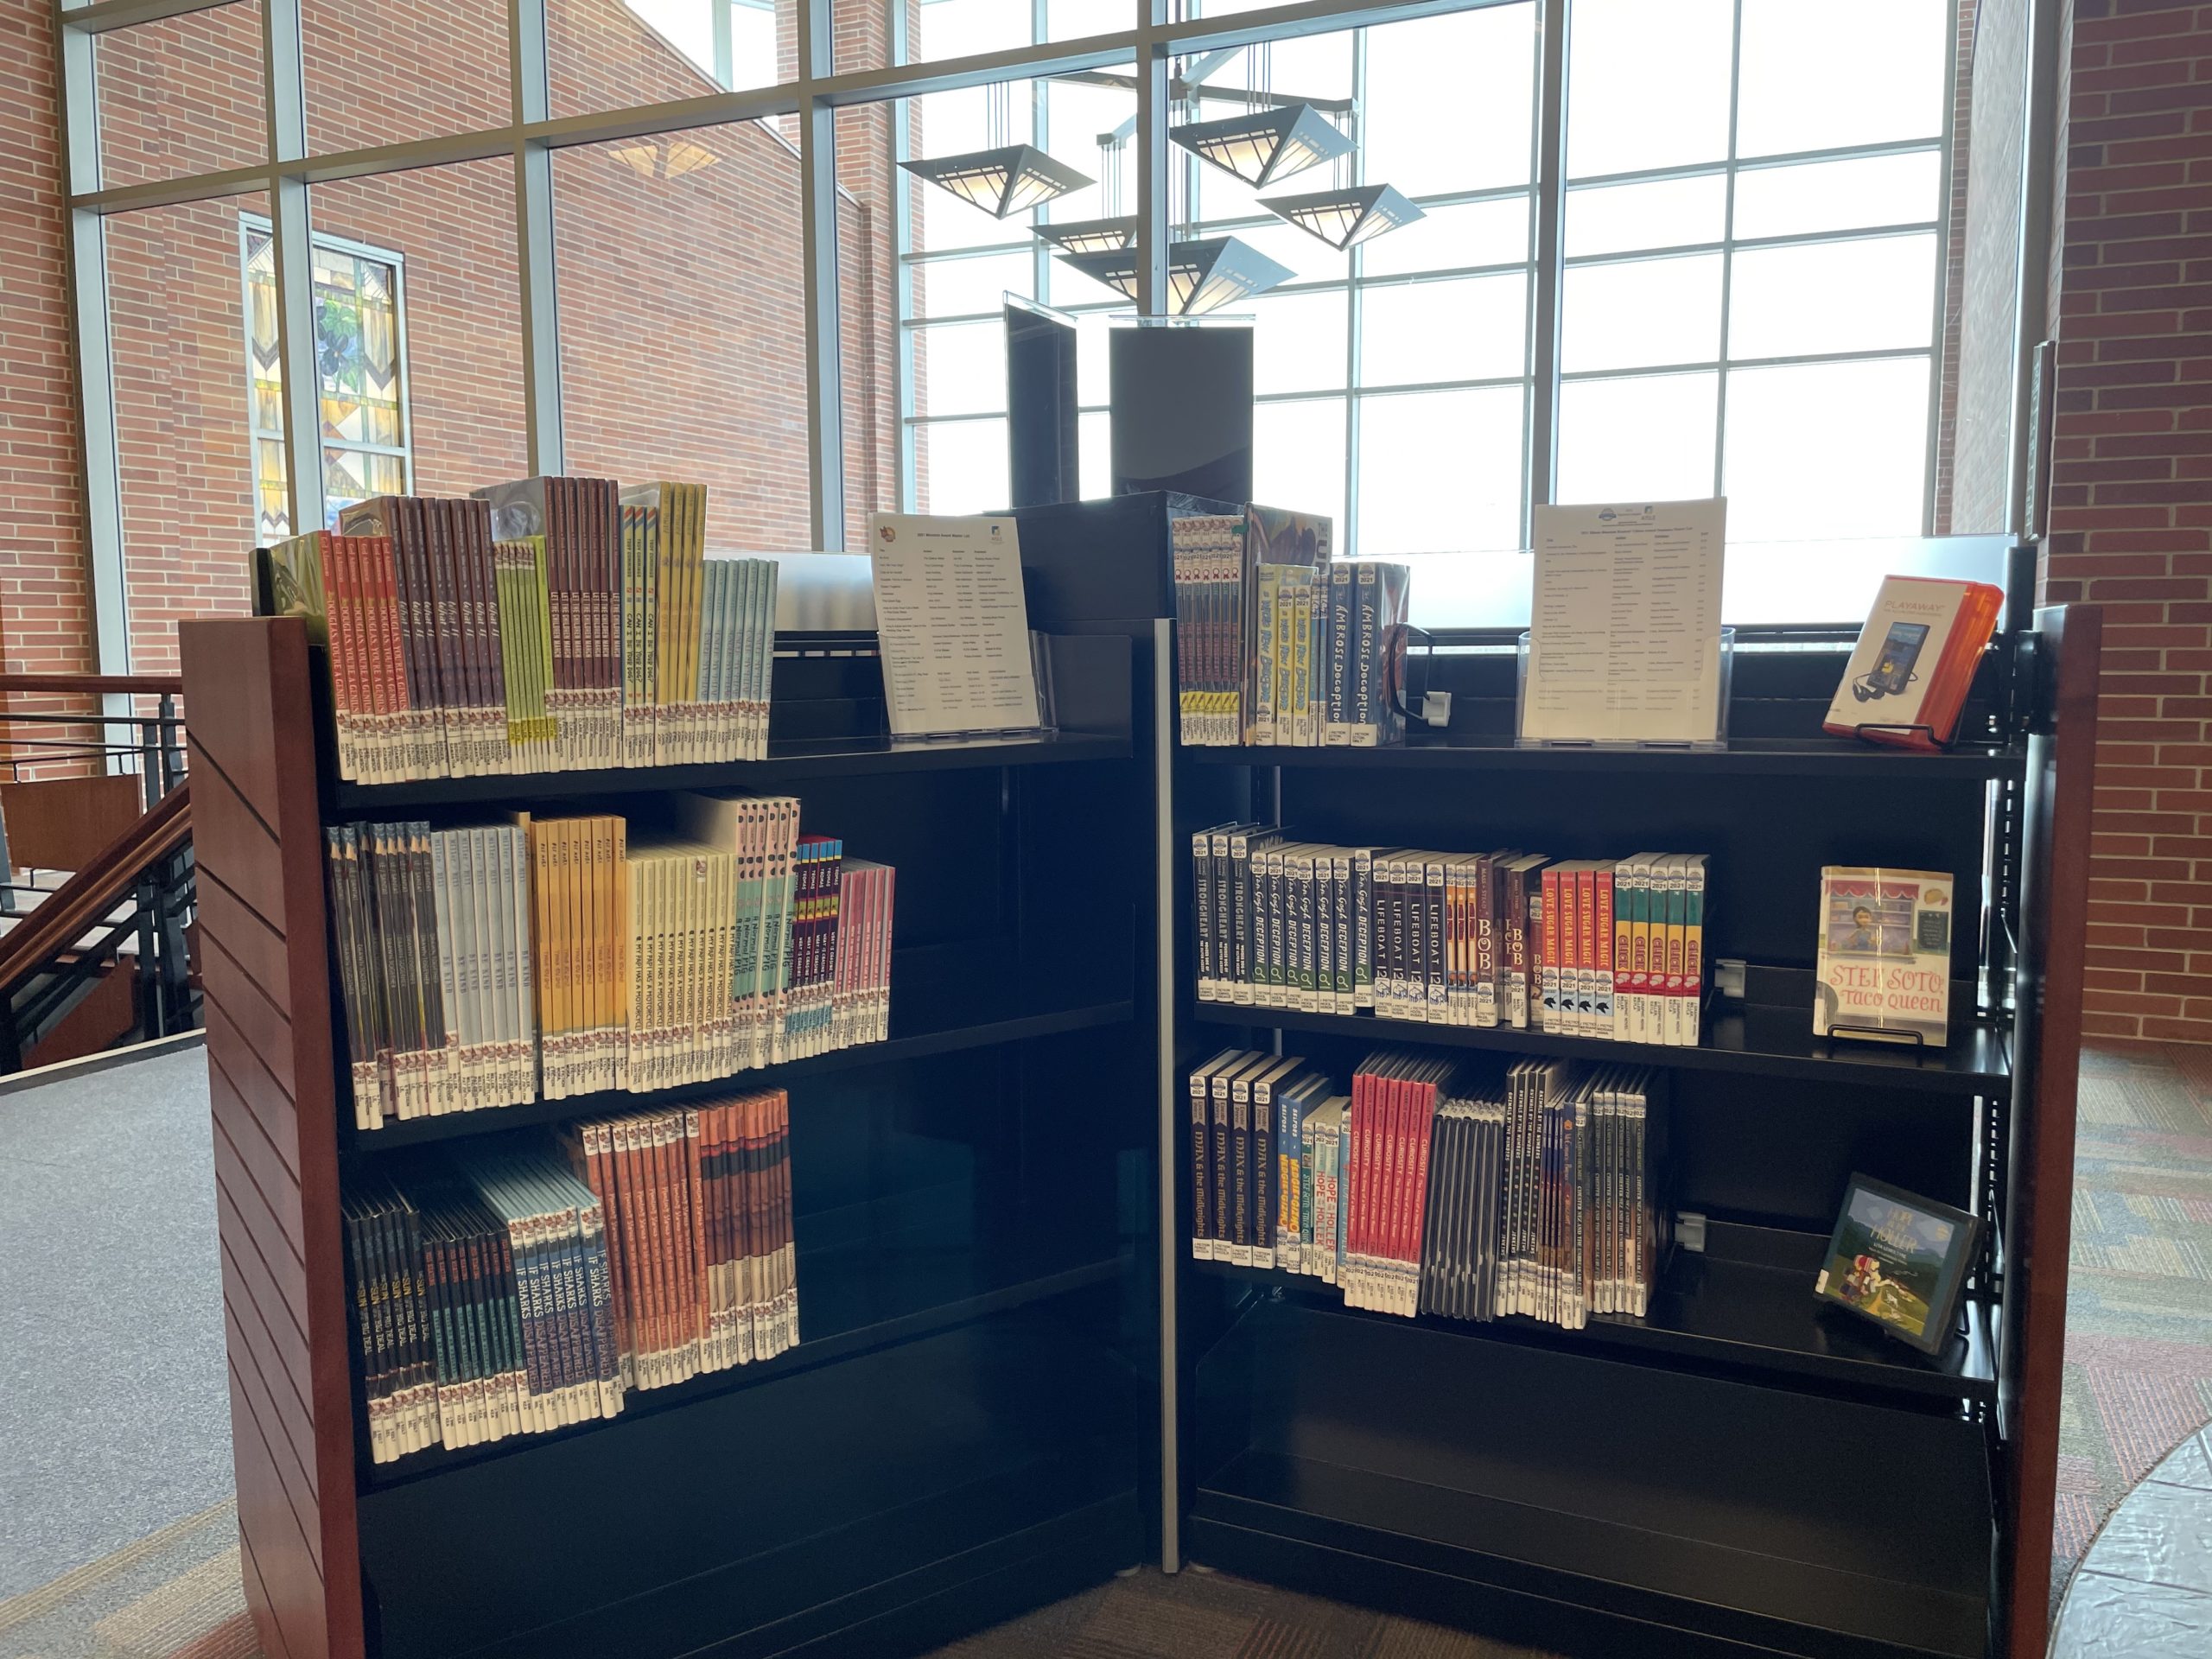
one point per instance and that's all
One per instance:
(1756, 1041)
(1838, 757)
(855, 1300)
(943, 999)
(787, 761)
(1754, 1317)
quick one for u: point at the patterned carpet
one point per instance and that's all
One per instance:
(2139, 1313)
(2139, 1381)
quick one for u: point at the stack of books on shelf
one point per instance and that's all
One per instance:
(1604, 948)
(525, 1284)
(1277, 644)
(550, 625)
(484, 965)
(1472, 1191)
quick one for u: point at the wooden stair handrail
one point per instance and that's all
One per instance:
(82, 902)
(150, 685)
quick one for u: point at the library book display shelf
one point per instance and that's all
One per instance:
(1012, 1379)
(1744, 1469)
(968, 1423)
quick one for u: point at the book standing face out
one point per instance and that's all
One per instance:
(1884, 956)
(1909, 673)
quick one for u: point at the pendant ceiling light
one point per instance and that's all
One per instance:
(1353, 213)
(1266, 145)
(1202, 276)
(1091, 235)
(1000, 182)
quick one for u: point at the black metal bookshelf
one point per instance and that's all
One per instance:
(1742, 1468)
(968, 1423)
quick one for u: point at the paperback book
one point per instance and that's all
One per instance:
(1885, 969)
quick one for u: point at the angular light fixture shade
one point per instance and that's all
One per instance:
(1091, 235)
(1266, 144)
(1003, 180)
(1202, 276)
(1341, 218)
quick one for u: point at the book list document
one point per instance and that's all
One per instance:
(1624, 626)
(952, 626)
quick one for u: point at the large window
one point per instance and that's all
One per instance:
(361, 363)
(1744, 274)
(1666, 247)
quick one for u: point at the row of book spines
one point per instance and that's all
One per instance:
(521, 1309)
(1307, 667)
(699, 1238)
(408, 932)
(1543, 1198)
(1341, 1188)
(1208, 557)
(473, 670)
(1611, 949)
(1355, 1217)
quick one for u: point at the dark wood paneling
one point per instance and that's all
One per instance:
(239, 1206)
(251, 1092)
(264, 1024)
(2054, 924)
(257, 1603)
(251, 864)
(252, 943)
(258, 843)
(278, 1347)
(275, 1406)
(53, 823)
(282, 1546)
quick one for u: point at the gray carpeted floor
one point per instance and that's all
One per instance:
(114, 1410)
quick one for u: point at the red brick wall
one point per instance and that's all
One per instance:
(45, 622)
(2132, 493)
(679, 299)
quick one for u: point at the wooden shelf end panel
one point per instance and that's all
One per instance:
(257, 845)
(2054, 814)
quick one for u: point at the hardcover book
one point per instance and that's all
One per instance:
(1884, 956)
(1909, 673)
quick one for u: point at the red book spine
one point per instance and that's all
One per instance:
(1424, 1127)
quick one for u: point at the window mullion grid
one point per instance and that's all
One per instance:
(93, 349)
(292, 241)
(1153, 230)
(544, 434)
(1356, 308)
(1943, 228)
(1728, 248)
(1540, 437)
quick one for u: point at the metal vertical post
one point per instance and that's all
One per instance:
(1169, 1104)
(292, 242)
(1153, 228)
(1727, 249)
(817, 160)
(1550, 181)
(541, 319)
(2047, 36)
